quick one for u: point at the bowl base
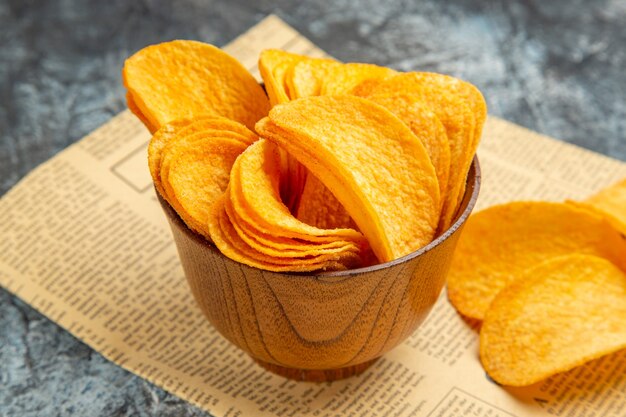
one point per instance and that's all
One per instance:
(316, 375)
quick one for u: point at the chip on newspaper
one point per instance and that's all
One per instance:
(549, 281)
(560, 314)
(342, 166)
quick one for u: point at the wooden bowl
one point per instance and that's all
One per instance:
(324, 326)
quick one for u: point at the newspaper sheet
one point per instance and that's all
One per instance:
(84, 241)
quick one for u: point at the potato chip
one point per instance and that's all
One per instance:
(612, 202)
(461, 109)
(254, 193)
(155, 148)
(425, 125)
(394, 201)
(198, 174)
(226, 127)
(319, 207)
(190, 162)
(264, 244)
(294, 181)
(340, 79)
(276, 67)
(181, 79)
(305, 78)
(315, 77)
(281, 246)
(286, 257)
(211, 126)
(230, 244)
(554, 317)
(366, 88)
(500, 242)
(617, 223)
(135, 110)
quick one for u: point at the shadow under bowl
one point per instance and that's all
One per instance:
(319, 326)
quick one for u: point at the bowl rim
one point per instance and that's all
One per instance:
(475, 187)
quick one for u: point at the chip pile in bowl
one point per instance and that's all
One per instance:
(338, 166)
(548, 281)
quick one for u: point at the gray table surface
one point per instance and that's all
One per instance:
(557, 67)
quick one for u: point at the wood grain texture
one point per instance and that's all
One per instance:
(322, 326)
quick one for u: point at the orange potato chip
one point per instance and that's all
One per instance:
(370, 160)
(264, 242)
(181, 79)
(425, 125)
(611, 201)
(155, 148)
(461, 109)
(210, 125)
(190, 162)
(254, 193)
(305, 79)
(366, 88)
(198, 174)
(309, 257)
(273, 64)
(188, 139)
(137, 112)
(227, 127)
(341, 79)
(319, 207)
(618, 224)
(276, 68)
(500, 242)
(554, 317)
(315, 77)
(289, 248)
(230, 244)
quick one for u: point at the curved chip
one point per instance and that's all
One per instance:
(556, 316)
(279, 242)
(394, 201)
(254, 193)
(461, 109)
(295, 259)
(229, 243)
(190, 162)
(211, 126)
(500, 242)
(612, 202)
(425, 125)
(227, 128)
(340, 79)
(132, 106)
(276, 68)
(181, 79)
(155, 149)
(316, 77)
(282, 247)
(319, 207)
(306, 77)
(198, 174)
